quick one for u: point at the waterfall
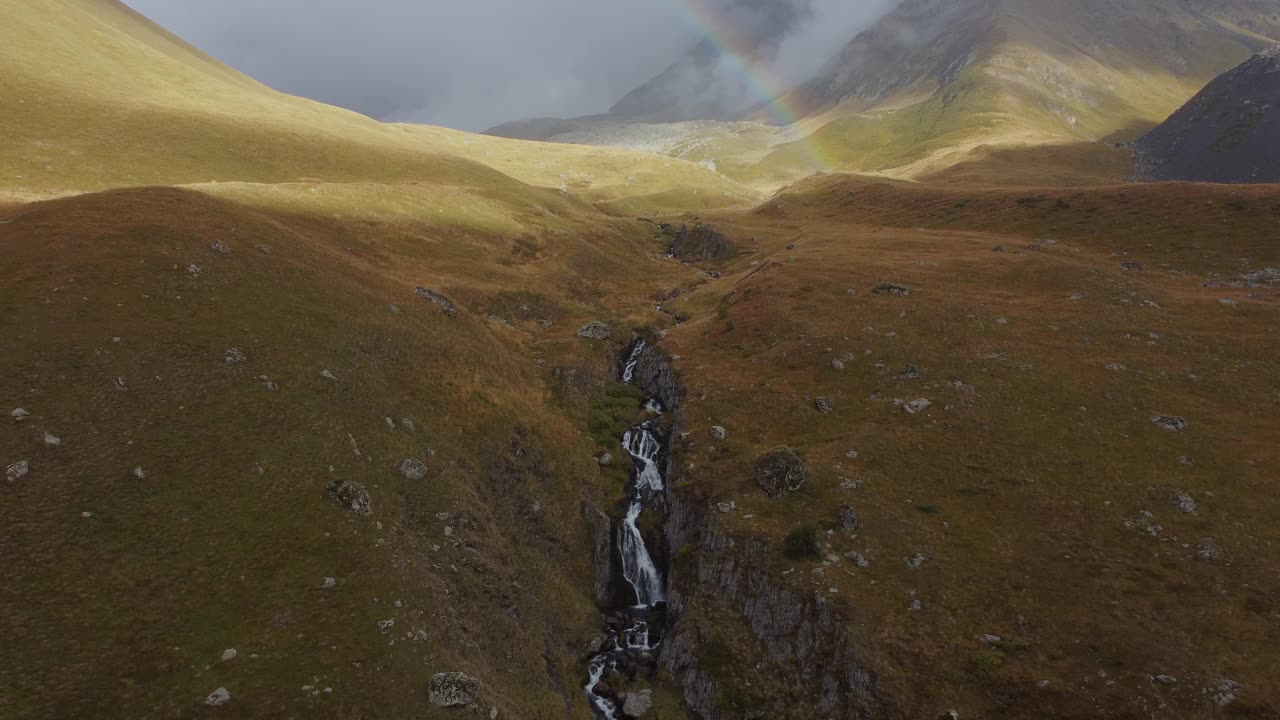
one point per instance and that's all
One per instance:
(638, 634)
(644, 449)
(637, 565)
(629, 368)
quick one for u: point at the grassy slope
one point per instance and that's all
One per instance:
(1018, 481)
(94, 97)
(225, 541)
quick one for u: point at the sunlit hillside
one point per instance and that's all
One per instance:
(95, 96)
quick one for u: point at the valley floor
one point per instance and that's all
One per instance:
(1056, 438)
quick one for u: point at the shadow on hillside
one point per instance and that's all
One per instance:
(1105, 162)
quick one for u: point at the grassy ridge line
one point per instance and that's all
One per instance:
(94, 97)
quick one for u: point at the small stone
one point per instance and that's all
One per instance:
(234, 355)
(1169, 422)
(1132, 266)
(1115, 367)
(1165, 679)
(328, 375)
(605, 459)
(229, 654)
(724, 507)
(86, 514)
(1229, 302)
(221, 696)
(52, 440)
(911, 372)
(595, 331)
(19, 414)
(413, 469)
(917, 406)
(999, 249)
(17, 470)
(385, 625)
(328, 583)
(990, 639)
(264, 249)
(408, 424)
(120, 384)
(194, 270)
(220, 247)
(718, 432)
(824, 406)
(391, 424)
(917, 560)
(452, 689)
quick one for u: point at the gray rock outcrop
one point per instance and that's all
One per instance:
(446, 305)
(452, 689)
(780, 472)
(352, 496)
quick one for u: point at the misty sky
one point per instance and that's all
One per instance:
(471, 64)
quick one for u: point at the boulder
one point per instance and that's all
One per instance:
(780, 472)
(891, 289)
(1170, 423)
(452, 689)
(637, 704)
(17, 470)
(352, 496)
(917, 406)
(849, 517)
(595, 331)
(446, 305)
(221, 696)
(413, 468)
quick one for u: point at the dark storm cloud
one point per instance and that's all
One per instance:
(469, 64)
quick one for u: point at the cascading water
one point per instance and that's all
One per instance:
(635, 631)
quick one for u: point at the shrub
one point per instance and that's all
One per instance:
(802, 544)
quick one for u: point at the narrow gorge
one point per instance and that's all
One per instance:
(636, 628)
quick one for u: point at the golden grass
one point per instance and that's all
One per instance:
(1018, 482)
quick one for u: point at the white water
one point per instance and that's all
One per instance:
(638, 567)
(637, 564)
(644, 449)
(629, 369)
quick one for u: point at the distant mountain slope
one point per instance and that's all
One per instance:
(937, 79)
(1229, 133)
(704, 84)
(939, 83)
(94, 96)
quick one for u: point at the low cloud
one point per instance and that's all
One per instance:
(476, 64)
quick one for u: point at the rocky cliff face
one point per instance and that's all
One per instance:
(1228, 133)
(805, 663)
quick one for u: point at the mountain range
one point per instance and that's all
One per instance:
(937, 84)
(915, 407)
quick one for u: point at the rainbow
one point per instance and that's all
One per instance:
(763, 81)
